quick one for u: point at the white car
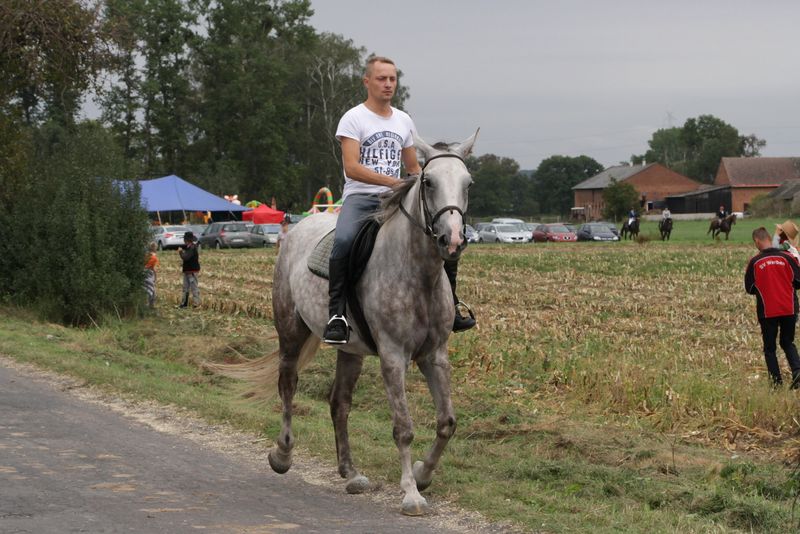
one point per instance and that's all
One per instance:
(168, 236)
(504, 233)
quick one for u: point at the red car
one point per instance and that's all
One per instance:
(553, 232)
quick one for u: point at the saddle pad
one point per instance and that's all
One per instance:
(319, 260)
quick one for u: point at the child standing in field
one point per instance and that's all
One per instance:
(191, 267)
(150, 275)
(773, 276)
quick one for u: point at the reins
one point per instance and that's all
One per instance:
(431, 220)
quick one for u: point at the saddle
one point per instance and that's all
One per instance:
(318, 263)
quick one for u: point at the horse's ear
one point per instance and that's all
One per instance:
(464, 148)
(426, 149)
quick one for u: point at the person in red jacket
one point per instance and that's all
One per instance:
(773, 276)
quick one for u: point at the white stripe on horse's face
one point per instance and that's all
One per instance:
(448, 184)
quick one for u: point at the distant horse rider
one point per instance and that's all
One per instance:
(631, 217)
(722, 213)
(375, 139)
(666, 214)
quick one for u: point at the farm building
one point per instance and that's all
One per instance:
(707, 199)
(653, 181)
(750, 177)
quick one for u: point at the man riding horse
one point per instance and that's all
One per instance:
(375, 138)
(665, 225)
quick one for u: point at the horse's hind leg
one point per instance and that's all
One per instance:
(348, 369)
(437, 374)
(394, 379)
(291, 347)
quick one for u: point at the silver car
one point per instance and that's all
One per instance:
(226, 235)
(264, 235)
(504, 233)
(168, 236)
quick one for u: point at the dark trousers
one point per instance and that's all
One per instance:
(769, 332)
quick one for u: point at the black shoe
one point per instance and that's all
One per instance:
(337, 331)
(461, 323)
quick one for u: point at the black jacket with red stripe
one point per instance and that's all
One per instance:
(772, 276)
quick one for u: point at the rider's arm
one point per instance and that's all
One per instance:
(410, 162)
(351, 152)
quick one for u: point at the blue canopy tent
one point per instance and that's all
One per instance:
(172, 193)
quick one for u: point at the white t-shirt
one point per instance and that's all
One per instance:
(382, 140)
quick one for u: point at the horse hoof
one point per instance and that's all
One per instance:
(414, 507)
(357, 484)
(422, 483)
(278, 464)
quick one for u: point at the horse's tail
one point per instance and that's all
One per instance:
(261, 374)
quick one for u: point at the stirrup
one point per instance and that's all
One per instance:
(346, 331)
(466, 307)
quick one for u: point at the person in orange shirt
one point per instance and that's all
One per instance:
(150, 277)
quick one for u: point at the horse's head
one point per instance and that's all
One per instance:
(444, 186)
(732, 218)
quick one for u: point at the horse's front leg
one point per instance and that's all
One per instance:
(437, 373)
(348, 369)
(393, 370)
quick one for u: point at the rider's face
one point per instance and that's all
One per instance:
(381, 81)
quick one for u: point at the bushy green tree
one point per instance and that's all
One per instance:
(618, 199)
(78, 236)
(555, 178)
(493, 191)
(696, 148)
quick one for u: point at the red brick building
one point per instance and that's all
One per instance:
(750, 177)
(654, 182)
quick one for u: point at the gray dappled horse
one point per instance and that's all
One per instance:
(407, 302)
(723, 226)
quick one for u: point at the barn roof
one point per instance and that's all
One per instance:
(761, 171)
(786, 191)
(618, 173)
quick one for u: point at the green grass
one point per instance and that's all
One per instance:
(611, 387)
(697, 231)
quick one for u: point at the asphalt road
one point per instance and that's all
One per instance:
(71, 465)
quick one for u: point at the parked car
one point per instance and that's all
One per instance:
(264, 235)
(596, 232)
(168, 236)
(503, 233)
(611, 226)
(507, 220)
(226, 234)
(555, 232)
(471, 234)
(480, 226)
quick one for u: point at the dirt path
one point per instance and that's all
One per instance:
(73, 459)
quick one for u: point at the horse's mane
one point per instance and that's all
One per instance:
(390, 202)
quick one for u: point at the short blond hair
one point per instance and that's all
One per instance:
(376, 59)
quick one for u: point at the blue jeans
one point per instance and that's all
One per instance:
(356, 210)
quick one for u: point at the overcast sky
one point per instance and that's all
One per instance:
(589, 77)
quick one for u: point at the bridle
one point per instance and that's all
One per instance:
(430, 220)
